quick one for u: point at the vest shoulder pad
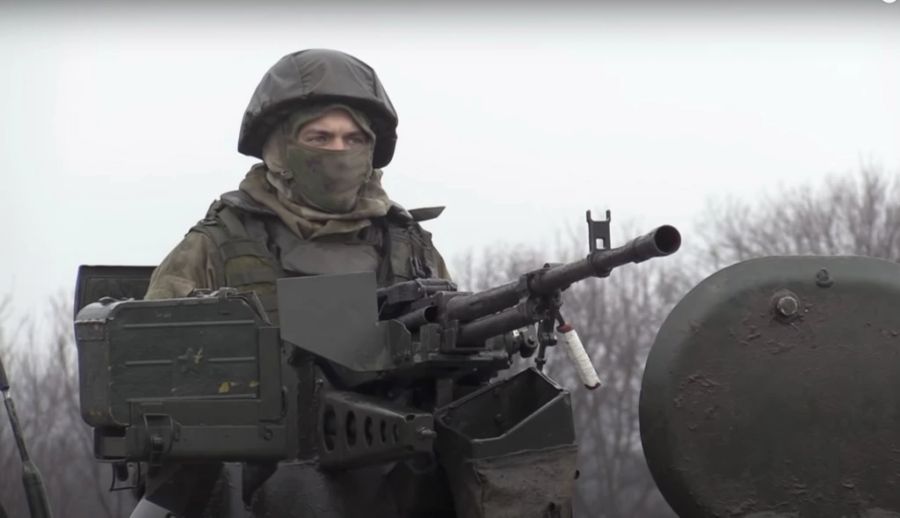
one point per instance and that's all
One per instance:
(242, 201)
(425, 213)
(398, 214)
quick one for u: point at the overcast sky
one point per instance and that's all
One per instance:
(120, 125)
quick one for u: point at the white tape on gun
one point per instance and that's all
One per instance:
(569, 338)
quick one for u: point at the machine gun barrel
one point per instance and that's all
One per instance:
(660, 242)
(501, 309)
(35, 493)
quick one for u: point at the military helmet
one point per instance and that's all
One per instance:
(313, 76)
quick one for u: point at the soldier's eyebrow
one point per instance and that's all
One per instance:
(316, 132)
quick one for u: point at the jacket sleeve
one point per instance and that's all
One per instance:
(193, 264)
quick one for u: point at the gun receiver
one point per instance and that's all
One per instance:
(423, 333)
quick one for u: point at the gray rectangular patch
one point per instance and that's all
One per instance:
(334, 317)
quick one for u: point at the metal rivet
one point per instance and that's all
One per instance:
(823, 278)
(787, 305)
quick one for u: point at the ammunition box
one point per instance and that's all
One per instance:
(189, 379)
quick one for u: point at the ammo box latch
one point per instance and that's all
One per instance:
(161, 431)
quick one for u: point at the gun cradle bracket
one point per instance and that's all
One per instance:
(357, 430)
(527, 411)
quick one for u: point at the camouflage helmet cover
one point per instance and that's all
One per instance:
(318, 76)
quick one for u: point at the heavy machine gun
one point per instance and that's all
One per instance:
(354, 377)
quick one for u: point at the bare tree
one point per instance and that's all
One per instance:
(851, 214)
(617, 319)
(44, 383)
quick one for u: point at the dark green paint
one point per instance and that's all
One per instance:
(383, 388)
(749, 407)
(319, 76)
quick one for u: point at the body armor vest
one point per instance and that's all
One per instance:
(257, 248)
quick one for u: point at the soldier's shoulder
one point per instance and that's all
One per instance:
(234, 214)
(234, 204)
(243, 202)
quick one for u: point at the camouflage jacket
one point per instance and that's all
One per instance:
(244, 245)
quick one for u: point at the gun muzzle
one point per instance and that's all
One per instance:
(662, 241)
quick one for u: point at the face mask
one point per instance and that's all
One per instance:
(329, 180)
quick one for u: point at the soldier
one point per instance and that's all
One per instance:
(324, 126)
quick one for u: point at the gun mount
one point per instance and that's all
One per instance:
(355, 376)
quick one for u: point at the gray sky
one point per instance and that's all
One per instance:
(120, 125)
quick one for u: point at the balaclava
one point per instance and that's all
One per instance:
(318, 191)
(324, 179)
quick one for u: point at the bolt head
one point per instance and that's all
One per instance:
(787, 305)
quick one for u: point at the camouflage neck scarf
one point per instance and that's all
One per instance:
(308, 222)
(324, 179)
(328, 180)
